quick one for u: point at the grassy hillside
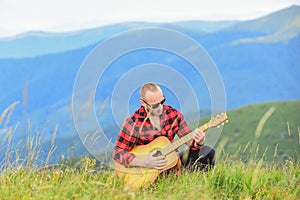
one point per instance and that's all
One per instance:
(251, 134)
(229, 180)
(232, 177)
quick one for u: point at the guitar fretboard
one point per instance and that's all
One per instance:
(176, 144)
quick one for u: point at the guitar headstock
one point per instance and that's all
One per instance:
(218, 120)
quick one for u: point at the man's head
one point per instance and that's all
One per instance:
(152, 98)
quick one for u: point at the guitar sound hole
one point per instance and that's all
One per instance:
(157, 153)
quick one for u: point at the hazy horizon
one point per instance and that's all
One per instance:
(20, 17)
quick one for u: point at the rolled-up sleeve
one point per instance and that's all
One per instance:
(184, 129)
(125, 142)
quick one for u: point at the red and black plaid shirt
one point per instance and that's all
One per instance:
(138, 130)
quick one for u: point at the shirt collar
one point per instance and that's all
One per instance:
(142, 114)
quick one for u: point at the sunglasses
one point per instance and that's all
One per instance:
(153, 106)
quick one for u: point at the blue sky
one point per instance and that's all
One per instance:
(66, 15)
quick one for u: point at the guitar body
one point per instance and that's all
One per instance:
(136, 177)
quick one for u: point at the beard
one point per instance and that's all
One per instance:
(155, 112)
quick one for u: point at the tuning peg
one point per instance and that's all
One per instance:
(227, 121)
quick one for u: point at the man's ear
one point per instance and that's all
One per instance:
(142, 102)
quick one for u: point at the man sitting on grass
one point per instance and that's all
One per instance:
(153, 119)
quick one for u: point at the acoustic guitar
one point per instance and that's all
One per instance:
(137, 177)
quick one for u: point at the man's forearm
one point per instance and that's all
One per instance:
(137, 162)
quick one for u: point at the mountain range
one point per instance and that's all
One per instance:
(257, 60)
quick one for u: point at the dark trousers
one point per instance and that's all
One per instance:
(203, 159)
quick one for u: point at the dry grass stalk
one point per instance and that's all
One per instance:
(8, 110)
(263, 121)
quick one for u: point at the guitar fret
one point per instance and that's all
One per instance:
(173, 146)
(204, 127)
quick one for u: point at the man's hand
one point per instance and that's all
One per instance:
(157, 162)
(199, 136)
(149, 161)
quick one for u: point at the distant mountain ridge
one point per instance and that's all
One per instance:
(273, 22)
(279, 26)
(37, 43)
(32, 44)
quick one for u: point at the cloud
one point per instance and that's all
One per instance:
(18, 16)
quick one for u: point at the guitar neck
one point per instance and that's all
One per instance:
(175, 145)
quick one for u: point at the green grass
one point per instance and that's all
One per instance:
(230, 179)
(257, 158)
